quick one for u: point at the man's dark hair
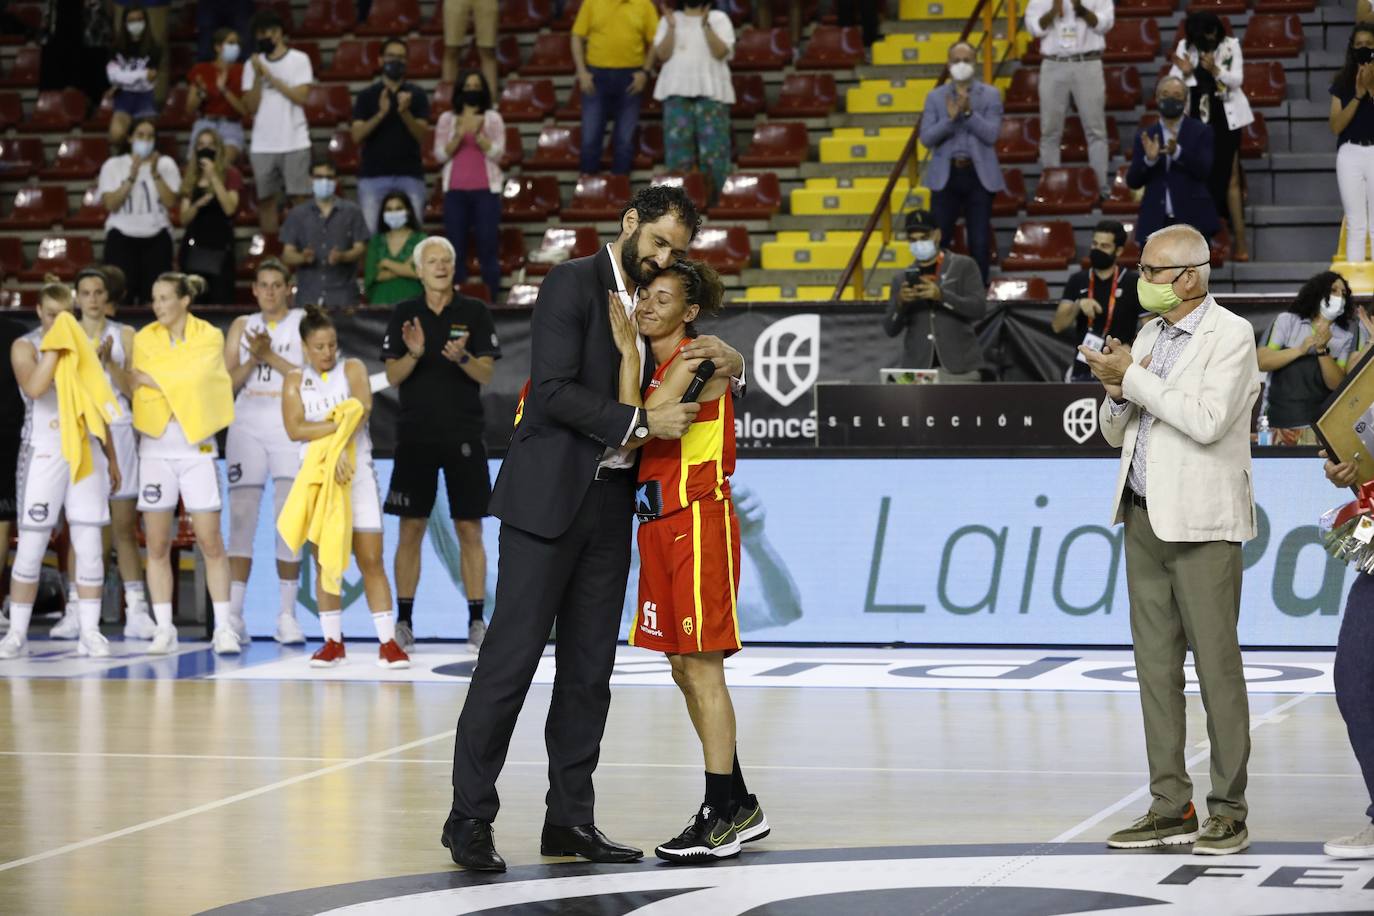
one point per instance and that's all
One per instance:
(1118, 231)
(324, 164)
(267, 19)
(654, 202)
(1313, 292)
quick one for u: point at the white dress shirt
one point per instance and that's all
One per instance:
(1068, 35)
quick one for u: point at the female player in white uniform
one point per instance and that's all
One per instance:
(46, 491)
(308, 395)
(259, 351)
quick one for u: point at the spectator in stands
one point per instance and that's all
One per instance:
(1209, 62)
(1071, 34)
(390, 120)
(1172, 161)
(936, 302)
(76, 38)
(139, 188)
(484, 16)
(213, 16)
(156, 25)
(1352, 121)
(132, 72)
(610, 45)
(959, 126)
(276, 85)
(323, 240)
(211, 189)
(389, 271)
(693, 47)
(1099, 302)
(214, 96)
(1306, 353)
(470, 141)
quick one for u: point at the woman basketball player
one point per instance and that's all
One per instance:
(689, 547)
(308, 396)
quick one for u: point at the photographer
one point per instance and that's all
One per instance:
(1100, 302)
(936, 301)
(210, 194)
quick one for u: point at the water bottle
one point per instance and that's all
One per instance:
(1262, 434)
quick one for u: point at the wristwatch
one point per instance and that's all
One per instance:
(641, 426)
(1323, 351)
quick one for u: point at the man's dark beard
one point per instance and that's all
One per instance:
(632, 264)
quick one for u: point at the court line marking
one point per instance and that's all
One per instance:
(222, 802)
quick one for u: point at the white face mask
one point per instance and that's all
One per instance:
(394, 219)
(1332, 308)
(924, 249)
(229, 53)
(961, 71)
(136, 28)
(142, 148)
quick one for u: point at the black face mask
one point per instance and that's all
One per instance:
(1171, 108)
(1364, 55)
(1206, 44)
(266, 46)
(394, 70)
(474, 97)
(1101, 260)
(205, 153)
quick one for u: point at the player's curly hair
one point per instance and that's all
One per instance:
(701, 286)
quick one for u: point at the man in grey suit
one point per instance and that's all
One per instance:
(935, 302)
(959, 126)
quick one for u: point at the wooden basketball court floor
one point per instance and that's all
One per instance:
(897, 781)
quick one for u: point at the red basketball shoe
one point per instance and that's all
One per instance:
(390, 655)
(331, 654)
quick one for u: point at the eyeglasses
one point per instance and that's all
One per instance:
(1149, 273)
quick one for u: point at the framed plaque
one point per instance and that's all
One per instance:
(1346, 426)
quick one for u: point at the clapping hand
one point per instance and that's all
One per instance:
(105, 349)
(413, 336)
(259, 345)
(456, 349)
(403, 101)
(1150, 145)
(335, 257)
(1183, 65)
(259, 65)
(1110, 365)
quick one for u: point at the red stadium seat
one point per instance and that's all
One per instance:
(750, 97)
(1064, 191)
(558, 148)
(90, 215)
(1254, 139)
(831, 47)
(355, 59)
(1285, 6)
(476, 289)
(1221, 246)
(424, 58)
(726, 248)
(328, 19)
(329, 106)
(805, 95)
(960, 243)
(571, 109)
(507, 56)
(78, 158)
(11, 110)
(282, 8)
(1013, 200)
(777, 144)
(36, 208)
(343, 152)
(441, 100)
(1132, 41)
(11, 260)
(100, 118)
(1023, 95)
(311, 49)
(1073, 146)
(29, 14)
(1018, 140)
(552, 56)
(1265, 83)
(522, 296)
(650, 107)
(527, 100)
(515, 147)
(1122, 200)
(762, 49)
(260, 249)
(1220, 7)
(510, 251)
(390, 17)
(578, 243)
(1127, 9)
(57, 110)
(530, 198)
(24, 70)
(751, 196)
(648, 142)
(597, 197)
(247, 214)
(60, 254)
(1041, 246)
(1011, 289)
(1123, 88)
(1273, 35)
(174, 115)
(693, 184)
(525, 15)
(20, 157)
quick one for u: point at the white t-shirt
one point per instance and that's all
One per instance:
(142, 216)
(693, 71)
(279, 125)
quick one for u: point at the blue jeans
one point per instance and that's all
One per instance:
(964, 195)
(479, 213)
(612, 100)
(372, 190)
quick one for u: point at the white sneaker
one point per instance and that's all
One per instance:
(477, 632)
(1357, 846)
(13, 646)
(93, 644)
(164, 641)
(69, 627)
(240, 628)
(289, 632)
(139, 624)
(225, 642)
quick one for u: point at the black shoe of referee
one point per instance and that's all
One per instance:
(710, 835)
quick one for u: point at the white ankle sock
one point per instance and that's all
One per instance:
(19, 618)
(89, 609)
(236, 592)
(286, 591)
(162, 614)
(221, 609)
(331, 622)
(385, 624)
(134, 595)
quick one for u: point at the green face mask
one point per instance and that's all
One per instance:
(1159, 298)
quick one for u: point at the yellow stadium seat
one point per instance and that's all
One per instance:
(866, 144)
(887, 96)
(925, 48)
(820, 250)
(853, 196)
(936, 9)
(799, 294)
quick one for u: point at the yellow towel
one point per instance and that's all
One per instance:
(195, 383)
(85, 400)
(319, 509)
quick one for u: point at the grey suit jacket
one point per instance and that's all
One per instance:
(963, 301)
(981, 127)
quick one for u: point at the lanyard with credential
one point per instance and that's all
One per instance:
(1111, 300)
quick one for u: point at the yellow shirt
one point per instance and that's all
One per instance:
(619, 33)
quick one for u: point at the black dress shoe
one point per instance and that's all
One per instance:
(585, 841)
(470, 843)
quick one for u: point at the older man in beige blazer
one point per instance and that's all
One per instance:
(1178, 407)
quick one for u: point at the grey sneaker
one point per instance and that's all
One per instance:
(750, 822)
(1222, 836)
(477, 631)
(1157, 830)
(404, 637)
(1356, 846)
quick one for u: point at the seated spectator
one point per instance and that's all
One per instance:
(960, 125)
(390, 120)
(1172, 161)
(276, 86)
(693, 47)
(1210, 64)
(323, 240)
(935, 303)
(210, 193)
(485, 18)
(1352, 121)
(389, 274)
(470, 141)
(1099, 302)
(132, 72)
(139, 188)
(610, 44)
(214, 96)
(1306, 353)
(213, 16)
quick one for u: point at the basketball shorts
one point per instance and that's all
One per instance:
(367, 500)
(46, 490)
(194, 480)
(689, 581)
(415, 479)
(126, 453)
(252, 457)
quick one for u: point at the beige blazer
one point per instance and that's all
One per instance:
(1198, 467)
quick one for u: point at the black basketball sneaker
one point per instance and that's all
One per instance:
(750, 822)
(710, 835)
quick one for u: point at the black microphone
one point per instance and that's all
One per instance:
(703, 375)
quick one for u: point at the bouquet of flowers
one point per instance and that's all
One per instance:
(1348, 531)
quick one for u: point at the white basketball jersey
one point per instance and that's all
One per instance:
(322, 393)
(264, 381)
(114, 332)
(41, 427)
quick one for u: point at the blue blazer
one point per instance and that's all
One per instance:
(981, 127)
(1186, 179)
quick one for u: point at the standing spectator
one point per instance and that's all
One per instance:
(276, 86)
(470, 141)
(693, 47)
(1071, 40)
(390, 120)
(960, 126)
(1352, 121)
(1306, 353)
(132, 72)
(214, 96)
(1099, 302)
(139, 189)
(1209, 62)
(323, 240)
(484, 16)
(1172, 161)
(76, 36)
(610, 44)
(210, 194)
(214, 15)
(389, 272)
(157, 23)
(862, 13)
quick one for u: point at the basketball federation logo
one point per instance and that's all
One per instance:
(787, 357)
(687, 625)
(1080, 420)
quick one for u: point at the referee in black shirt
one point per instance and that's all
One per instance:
(440, 349)
(1100, 302)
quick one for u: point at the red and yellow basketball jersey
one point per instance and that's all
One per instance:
(698, 466)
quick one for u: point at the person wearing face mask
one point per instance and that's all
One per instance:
(132, 72)
(390, 121)
(1099, 302)
(211, 190)
(1306, 352)
(469, 143)
(1178, 406)
(693, 47)
(935, 303)
(1172, 162)
(213, 97)
(959, 126)
(323, 240)
(213, 16)
(139, 189)
(1352, 121)
(276, 84)
(389, 271)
